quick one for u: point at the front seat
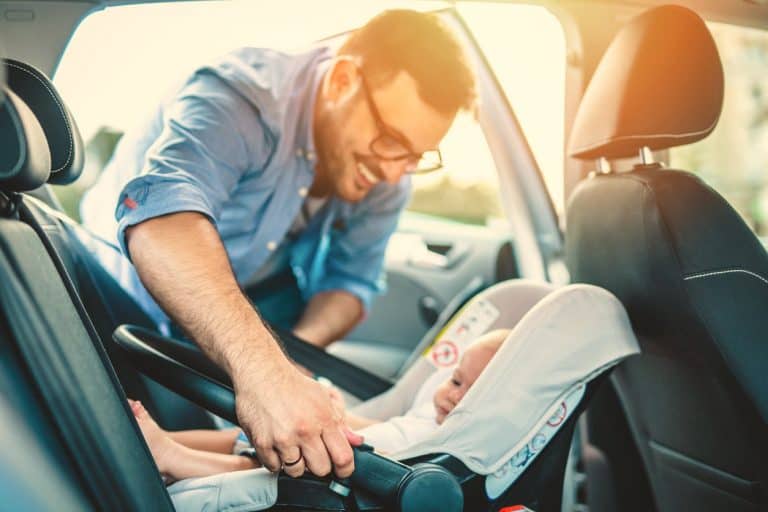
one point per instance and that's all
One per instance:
(691, 274)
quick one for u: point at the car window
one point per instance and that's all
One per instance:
(533, 81)
(467, 190)
(122, 60)
(734, 158)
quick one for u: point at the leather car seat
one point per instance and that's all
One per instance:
(691, 274)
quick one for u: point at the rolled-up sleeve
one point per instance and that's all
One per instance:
(211, 136)
(356, 253)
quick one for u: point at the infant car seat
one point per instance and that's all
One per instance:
(505, 443)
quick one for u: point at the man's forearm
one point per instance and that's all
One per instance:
(287, 416)
(329, 316)
(183, 264)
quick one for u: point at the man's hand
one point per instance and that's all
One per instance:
(337, 399)
(293, 424)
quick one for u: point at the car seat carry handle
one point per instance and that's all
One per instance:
(423, 487)
(182, 368)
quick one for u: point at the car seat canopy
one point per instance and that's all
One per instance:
(567, 339)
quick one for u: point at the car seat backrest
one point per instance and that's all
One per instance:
(35, 471)
(79, 396)
(31, 475)
(82, 396)
(691, 274)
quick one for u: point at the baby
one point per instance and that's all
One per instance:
(437, 397)
(472, 363)
(197, 453)
(450, 391)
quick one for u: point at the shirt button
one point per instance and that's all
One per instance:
(300, 153)
(271, 245)
(310, 156)
(303, 191)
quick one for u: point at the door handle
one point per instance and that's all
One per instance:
(424, 257)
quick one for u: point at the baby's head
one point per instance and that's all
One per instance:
(472, 363)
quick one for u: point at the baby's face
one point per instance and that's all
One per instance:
(466, 373)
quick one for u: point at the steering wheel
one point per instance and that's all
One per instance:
(183, 368)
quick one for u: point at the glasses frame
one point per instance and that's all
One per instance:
(387, 131)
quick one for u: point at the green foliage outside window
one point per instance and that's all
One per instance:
(734, 158)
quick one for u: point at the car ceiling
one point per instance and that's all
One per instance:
(742, 12)
(36, 31)
(736, 11)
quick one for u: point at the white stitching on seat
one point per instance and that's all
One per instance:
(720, 272)
(61, 109)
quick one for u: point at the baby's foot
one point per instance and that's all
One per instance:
(162, 447)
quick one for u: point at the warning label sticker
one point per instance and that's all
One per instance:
(472, 321)
(445, 353)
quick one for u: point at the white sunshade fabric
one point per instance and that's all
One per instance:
(565, 340)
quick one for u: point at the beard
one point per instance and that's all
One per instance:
(329, 148)
(336, 171)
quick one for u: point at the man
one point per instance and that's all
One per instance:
(264, 162)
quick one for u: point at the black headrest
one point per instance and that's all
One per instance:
(25, 162)
(659, 84)
(64, 141)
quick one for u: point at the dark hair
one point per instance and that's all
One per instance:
(423, 46)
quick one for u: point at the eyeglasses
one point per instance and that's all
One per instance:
(391, 145)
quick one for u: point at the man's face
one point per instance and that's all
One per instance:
(346, 124)
(450, 392)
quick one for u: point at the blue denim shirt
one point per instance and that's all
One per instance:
(235, 144)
